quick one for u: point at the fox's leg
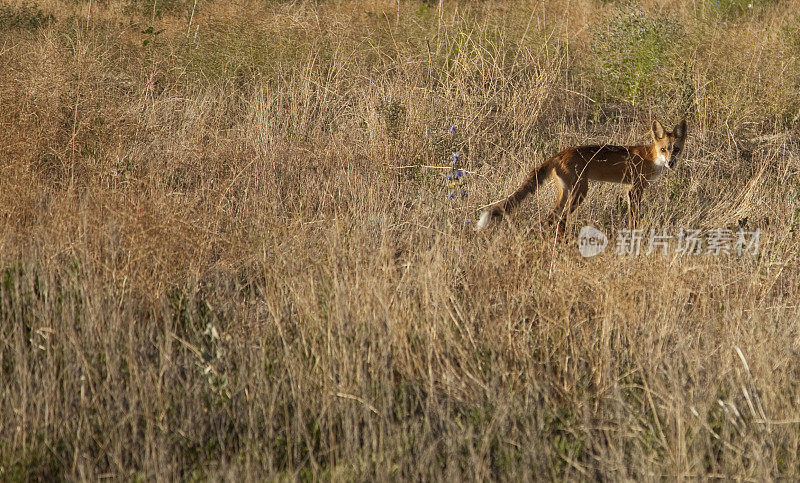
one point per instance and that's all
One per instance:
(578, 194)
(571, 193)
(576, 197)
(565, 186)
(634, 199)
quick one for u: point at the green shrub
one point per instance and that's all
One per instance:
(23, 17)
(634, 52)
(158, 9)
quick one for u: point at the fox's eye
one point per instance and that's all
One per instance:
(663, 150)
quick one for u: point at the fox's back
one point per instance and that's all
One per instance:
(601, 162)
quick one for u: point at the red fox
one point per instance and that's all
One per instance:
(572, 169)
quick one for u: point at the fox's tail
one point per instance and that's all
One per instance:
(497, 210)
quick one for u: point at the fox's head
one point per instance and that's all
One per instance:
(668, 145)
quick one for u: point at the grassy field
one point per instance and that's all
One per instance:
(228, 249)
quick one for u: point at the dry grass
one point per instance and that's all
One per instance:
(212, 268)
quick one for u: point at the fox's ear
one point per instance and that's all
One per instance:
(680, 129)
(658, 130)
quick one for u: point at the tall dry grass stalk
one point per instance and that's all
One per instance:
(217, 263)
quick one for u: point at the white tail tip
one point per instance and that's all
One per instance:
(486, 218)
